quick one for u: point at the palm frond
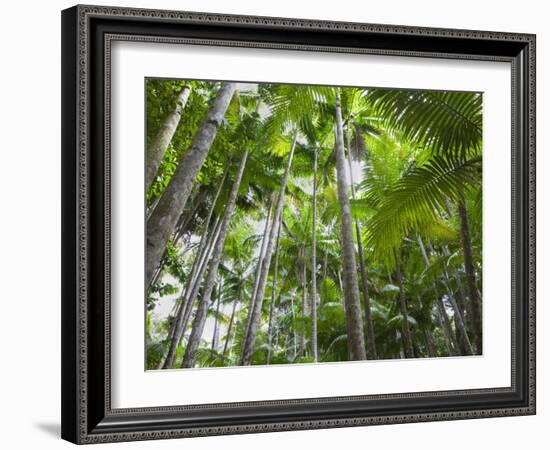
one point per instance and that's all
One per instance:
(418, 198)
(444, 122)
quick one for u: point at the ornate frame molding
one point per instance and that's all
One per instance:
(86, 421)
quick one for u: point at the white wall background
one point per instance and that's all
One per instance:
(30, 223)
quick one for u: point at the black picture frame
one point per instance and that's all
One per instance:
(87, 416)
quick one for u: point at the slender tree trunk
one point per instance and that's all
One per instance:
(187, 217)
(181, 228)
(190, 296)
(446, 326)
(277, 334)
(470, 274)
(156, 276)
(200, 316)
(402, 346)
(460, 295)
(197, 281)
(203, 261)
(371, 342)
(216, 321)
(429, 343)
(293, 330)
(261, 257)
(466, 306)
(407, 338)
(188, 299)
(459, 322)
(314, 263)
(248, 346)
(230, 326)
(460, 302)
(273, 296)
(304, 303)
(354, 321)
(161, 224)
(204, 237)
(323, 286)
(450, 339)
(159, 144)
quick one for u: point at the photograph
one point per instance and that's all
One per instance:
(305, 224)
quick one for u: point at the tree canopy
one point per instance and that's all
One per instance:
(299, 224)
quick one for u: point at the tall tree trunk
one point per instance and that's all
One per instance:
(459, 322)
(407, 338)
(261, 257)
(196, 199)
(203, 239)
(202, 310)
(231, 320)
(429, 343)
(470, 274)
(187, 217)
(161, 224)
(466, 306)
(293, 330)
(216, 331)
(273, 296)
(190, 296)
(304, 303)
(459, 297)
(159, 144)
(460, 300)
(248, 346)
(188, 299)
(445, 322)
(371, 343)
(450, 339)
(314, 263)
(399, 338)
(324, 277)
(354, 321)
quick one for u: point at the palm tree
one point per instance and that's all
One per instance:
(449, 126)
(273, 295)
(407, 338)
(261, 260)
(257, 302)
(161, 223)
(443, 318)
(470, 272)
(189, 294)
(200, 315)
(157, 148)
(313, 300)
(371, 340)
(356, 341)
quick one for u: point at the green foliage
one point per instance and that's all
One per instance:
(419, 197)
(415, 155)
(161, 97)
(445, 123)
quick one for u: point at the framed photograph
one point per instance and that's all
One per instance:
(279, 224)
